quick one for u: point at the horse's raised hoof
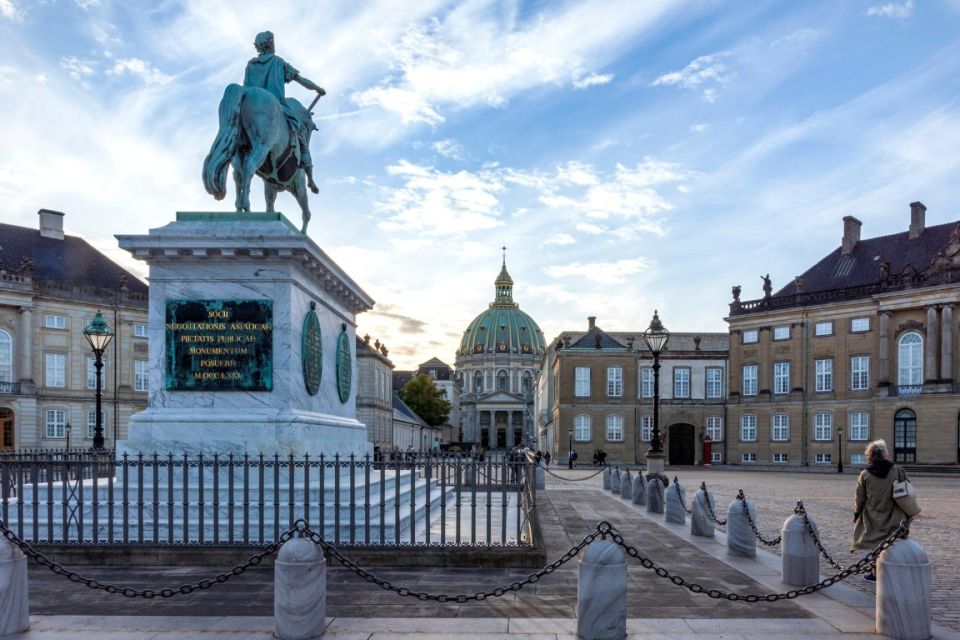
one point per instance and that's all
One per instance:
(314, 188)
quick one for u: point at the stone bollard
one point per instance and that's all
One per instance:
(299, 591)
(615, 481)
(741, 541)
(639, 489)
(541, 478)
(654, 495)
(14, 596)
(626, 485)
(674, 509)
(602, 592)
(903, 591)
(606, 478)
(701, 524)
(469, 475)
(799, 556)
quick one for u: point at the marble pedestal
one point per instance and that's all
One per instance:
(799, 556)
(626, 485)
(904, 583)
(602, 592)
(655, 463)
(639, 489)
(674, 504)
(741, 541)
(299, 591)
(14, 595)
(615, 481)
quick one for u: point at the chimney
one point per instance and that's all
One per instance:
(851, 235)
(51, 224)
(591, 322)
(917, 218)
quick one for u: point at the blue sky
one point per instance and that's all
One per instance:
(631, 155)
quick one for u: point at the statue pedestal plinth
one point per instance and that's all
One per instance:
(238, 303)
(655, 465)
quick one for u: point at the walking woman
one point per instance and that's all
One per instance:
(876, 515)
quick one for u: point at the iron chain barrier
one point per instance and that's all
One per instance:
(557, 475)
(709, 504)
(683, 501)
(801, 511)
(770, 542)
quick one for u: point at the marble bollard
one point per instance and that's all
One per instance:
(299, 591)
(701, 524)
(639, 489)
(541, 478)
(626, 485)
(469, 475)
(606, 478)
(741, 540)
(14, 596)
(799, 556)
(904, 582)
(615, 481)
(602, 592)
(654, 495)
(674, 508)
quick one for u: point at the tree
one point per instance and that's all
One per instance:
(430, 403)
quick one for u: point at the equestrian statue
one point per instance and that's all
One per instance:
(264, 132)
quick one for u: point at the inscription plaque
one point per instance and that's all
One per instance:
(311, 351)
(219, 345)
(344, 365)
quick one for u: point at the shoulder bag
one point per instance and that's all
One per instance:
(905, 495)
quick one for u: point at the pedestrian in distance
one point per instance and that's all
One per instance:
(546, 458)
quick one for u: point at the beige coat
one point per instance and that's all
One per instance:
(876, 515)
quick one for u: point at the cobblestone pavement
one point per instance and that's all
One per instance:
(828, 498)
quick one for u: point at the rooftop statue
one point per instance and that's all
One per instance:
(265, 133)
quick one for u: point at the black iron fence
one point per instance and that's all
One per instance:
(426, 500)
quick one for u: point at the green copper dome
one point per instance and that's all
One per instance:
(502, 328)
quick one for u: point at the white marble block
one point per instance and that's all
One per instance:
(701, 524)
(674, 507)
(626, 485)
(799, 556)
(639, 489)
(602, 592)
(541, 480)
(14, 595)
(655, 496)
(904, 582)
(615, 480)
(741, 540)
(606, 478)
(299, 591)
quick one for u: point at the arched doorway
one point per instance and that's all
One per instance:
(7, 429)
(681, 444)
(905, 436)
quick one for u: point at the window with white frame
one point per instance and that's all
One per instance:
(749, 380)
(715, 428)
(614, 428)
(859, 325)
(581, 428)
(681, 382)
(139, 330)
(92, 373)
(714, 382)
(859, 373)
(582, 382)
(781, 333)
(823, 426)
(748, 428)
(614, 382)
(478, 381)
(860, 425)
(55, 422)
(748, 457)
(780, 427)
(646, 382)
(646, 428)
(55, 369)
(780, 458)
(781, 377)
(503, 380)
(141, 376)
(6, 357)
(858, 458)
(824, 374)
(750, 335)
(51, 321)
(910, 359)
(91, 424)
(823, 458)
(716, 456)
(823, 328)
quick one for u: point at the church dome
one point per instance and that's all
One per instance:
(502, 327)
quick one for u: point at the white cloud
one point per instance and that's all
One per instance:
(77, 68)
(10, 11)
(448, 148)
(135, 66)
(86, 4)
(899, 10)
(560, 239)
(407, 104)
(710, 72)
(700, 127)
(592, 80)
(592, 229)
(800, 37)
(605, 273)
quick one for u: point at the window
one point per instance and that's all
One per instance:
(714, 382)
(141, 376)
(910, 360)
(681, 382)
(858, 458)
(615, 428)
(781, 333)
(748, 457)
(581, 428)
(55, 423)
(582, 382)
(478, 382)
(646, 428)
(56, 370)
(6, 357)
(823, 329)
(823, 458)
(716, 456)
(858, 325)
(781, 377)
(780, 427)
(54, 322)
(750, 335)
(860, 425)
(92, 423)
(139, 330)
(749, 379)
(780, 458)
(614, 382)
(646, 382)
(432, 373)
(715, 428)
(503, 381)
(748, 428)
(823, 426)
(824, 371)
(859, 373)
(526, 382)
(92, 373)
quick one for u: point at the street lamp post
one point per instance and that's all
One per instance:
(67, 429)
(570, 450)
(656, 337)
(839, 449)
(99, 335)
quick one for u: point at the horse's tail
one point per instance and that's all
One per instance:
(225, 144)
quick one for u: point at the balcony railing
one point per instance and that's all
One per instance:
(906, 390)
(12, 388)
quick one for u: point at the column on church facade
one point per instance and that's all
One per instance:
(884, 370)
(930, 366)
(510, 429)
(946, 343)
(492, 431)
(26, 344)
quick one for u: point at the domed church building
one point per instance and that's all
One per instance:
(497, 364)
